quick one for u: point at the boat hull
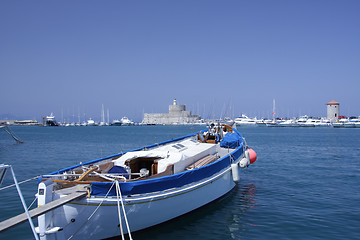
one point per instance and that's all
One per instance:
(142, 211)
(147, 202)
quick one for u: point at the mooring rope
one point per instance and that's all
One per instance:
(7, 129)
(92, 213)
(13, 185)
(32, 202)
(119, 212)
(123, 208)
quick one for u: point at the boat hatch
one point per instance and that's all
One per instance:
(179, 147)
(141, 164)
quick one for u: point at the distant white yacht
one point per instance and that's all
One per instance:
(288, 123)
(50, 120)
(350, 122)
(342, 123)
(356, 122)
(126, 122)
(102, 124)
(245, 121)
(91, 122)
(322, 123)
(305, 121)
(116, 122)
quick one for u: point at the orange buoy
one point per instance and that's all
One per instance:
(252, 155)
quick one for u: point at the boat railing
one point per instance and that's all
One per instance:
(106, 177)
(76, 174)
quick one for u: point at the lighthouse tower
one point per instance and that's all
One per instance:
(333, 111)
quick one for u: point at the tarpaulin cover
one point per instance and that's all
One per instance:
(231, 140)
(118, 169)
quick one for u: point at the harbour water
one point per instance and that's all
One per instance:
(304, 185)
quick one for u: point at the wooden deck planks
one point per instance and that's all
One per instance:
(202, 162)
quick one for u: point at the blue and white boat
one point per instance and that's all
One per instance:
(131, 191)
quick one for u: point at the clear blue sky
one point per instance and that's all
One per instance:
(214, 56)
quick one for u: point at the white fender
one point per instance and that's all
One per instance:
(235, 172)
(244, 162)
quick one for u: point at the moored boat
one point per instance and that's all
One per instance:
(126, 122)
(288, 123)
(356, 122)
(342, 123)
(50, 120)
(322, 122)
(138, 189)
(305, 121)
(244, 121)
(91, 122)
(116, 122)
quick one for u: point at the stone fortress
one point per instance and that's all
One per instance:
(177, 115)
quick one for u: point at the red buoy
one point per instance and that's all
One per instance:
(252, 155)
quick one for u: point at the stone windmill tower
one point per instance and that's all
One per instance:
(333, 111)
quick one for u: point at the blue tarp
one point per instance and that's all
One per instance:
(118, 169)
(231, 140)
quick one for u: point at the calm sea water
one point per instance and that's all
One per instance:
(304, 185)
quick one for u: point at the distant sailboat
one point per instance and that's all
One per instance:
(102, 123)
(273, 123)
(108, 117)
(273, 113)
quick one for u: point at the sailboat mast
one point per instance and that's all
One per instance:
(102, 114)
(79, 115)
(273, 113)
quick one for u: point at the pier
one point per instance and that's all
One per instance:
(9, 223)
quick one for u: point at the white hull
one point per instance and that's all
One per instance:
(245, 121)
(142, 211)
